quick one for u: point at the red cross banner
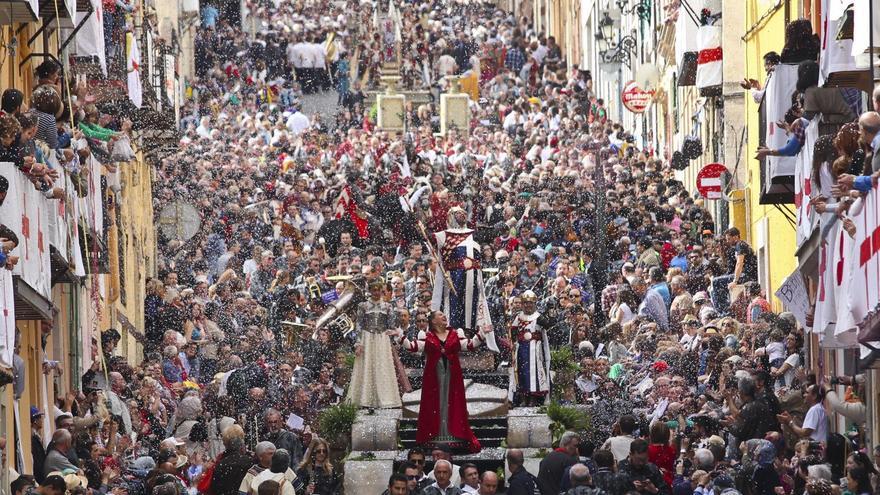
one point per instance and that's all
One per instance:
(807, 219)
(133, 66)
(710, 57)
(7, 319)
(26, 212)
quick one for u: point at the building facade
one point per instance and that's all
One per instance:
(82, 259)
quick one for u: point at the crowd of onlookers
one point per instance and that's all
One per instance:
(692, 382)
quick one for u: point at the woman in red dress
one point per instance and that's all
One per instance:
(443, 416)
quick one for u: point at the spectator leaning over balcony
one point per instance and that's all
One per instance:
(48, 105)
(11, 150)
(49, 74)
(11, 101)
(114, 19)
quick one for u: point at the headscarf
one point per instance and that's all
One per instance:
(760, 452)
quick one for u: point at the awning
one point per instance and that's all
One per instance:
(29, 304)
(18, 11)
(64, 8)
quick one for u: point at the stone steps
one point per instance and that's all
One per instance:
(490, 431)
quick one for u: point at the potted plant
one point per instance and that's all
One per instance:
(567, 418)
(335, 425)
(564, 367)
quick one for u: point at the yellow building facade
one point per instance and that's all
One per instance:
(768, 228)
(61, 324)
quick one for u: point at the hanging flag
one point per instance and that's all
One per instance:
(346, 206)
(709, 59)
(90, 38)
(135, 90)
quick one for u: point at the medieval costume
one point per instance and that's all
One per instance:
(531, 373)
(374, 378)
(443, 415)
(464, 302)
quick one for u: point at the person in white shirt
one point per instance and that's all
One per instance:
(319, 59)
(446, 65)
(539, 51)
(815, 425)
(470, 478)
(619, 445)
(299, 63)
(293, 55)
(298, 123)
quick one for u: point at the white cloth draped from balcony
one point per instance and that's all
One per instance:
(863, 25)
(777, 101)
(804, 188)
(839, 55)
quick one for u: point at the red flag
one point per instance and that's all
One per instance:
(345, 205)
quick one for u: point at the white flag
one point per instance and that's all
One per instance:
(135, 91)
(90, 39)
(709, 60)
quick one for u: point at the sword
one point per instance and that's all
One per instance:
(437, 259)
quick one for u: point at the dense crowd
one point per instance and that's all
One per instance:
(692, 382)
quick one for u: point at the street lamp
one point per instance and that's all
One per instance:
(613, 52)
(641, 7)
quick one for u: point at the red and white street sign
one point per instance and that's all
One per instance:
(634, 98)
(709, 180)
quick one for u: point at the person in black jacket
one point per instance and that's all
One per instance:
(606, 478)
(752, 420)
(521, 482)
(645, 476)
(233, 464)
(37, 450)
(553, 467)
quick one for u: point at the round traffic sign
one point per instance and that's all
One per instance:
(709, 180)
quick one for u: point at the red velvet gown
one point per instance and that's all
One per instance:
(443, 372)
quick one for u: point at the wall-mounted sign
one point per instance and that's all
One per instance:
(636, 99)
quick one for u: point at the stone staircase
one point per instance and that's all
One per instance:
(490, 431)
(381, 438)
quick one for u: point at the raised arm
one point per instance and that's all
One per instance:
(415, 346)
(473, 342)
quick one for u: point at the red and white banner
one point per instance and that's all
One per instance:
(710, 57)
(7, 319)
(26, 212)
(133, 66)
(807, 219)
(849, 275)
(90, 38)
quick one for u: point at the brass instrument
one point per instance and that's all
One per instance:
(336, 315)
(313, 288)
(289, 329)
